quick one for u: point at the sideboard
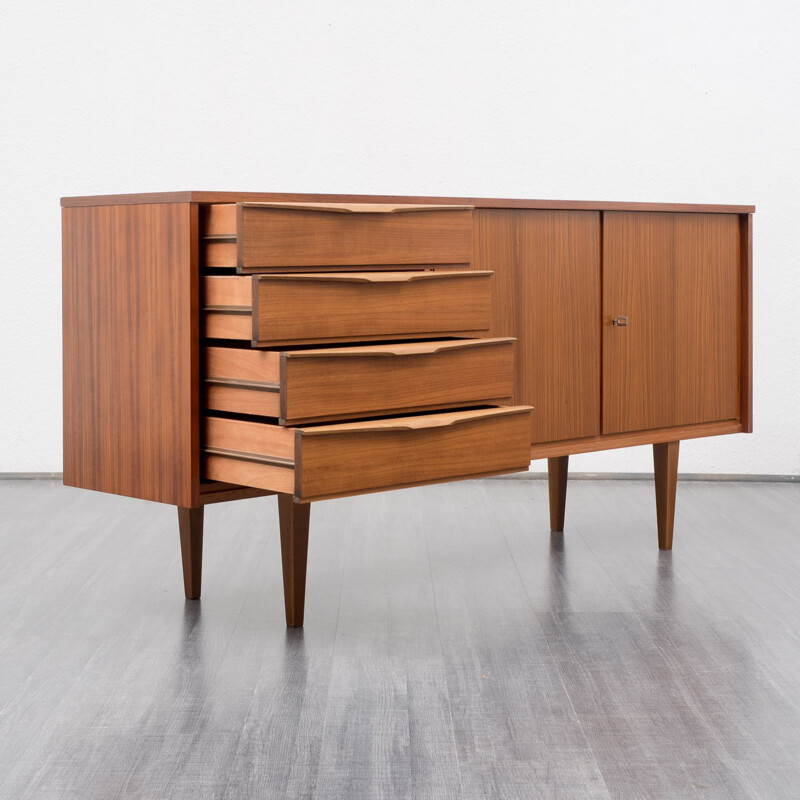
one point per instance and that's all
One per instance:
(222, 345)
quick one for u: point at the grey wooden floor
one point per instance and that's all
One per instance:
(453, 647)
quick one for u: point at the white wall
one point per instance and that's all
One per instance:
(684, 100)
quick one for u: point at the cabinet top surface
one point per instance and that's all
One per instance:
(478, 202)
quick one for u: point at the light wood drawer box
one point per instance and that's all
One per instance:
(256, 236)
(347, 306)
(313, 463)
(344, 382)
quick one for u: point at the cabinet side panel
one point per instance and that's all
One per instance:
(746, 317)
(130, 327)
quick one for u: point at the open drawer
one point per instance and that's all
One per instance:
(257, 236)
(317, 462)
(346, 306)
(312, 385)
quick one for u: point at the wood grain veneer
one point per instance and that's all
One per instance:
(665, 464)
(478, 202)
(234, 467)
(338, 234)
(595, 443)
(294, 519)
(447, 419)
(190, 526)
(707, 323)
(345, 382)
(244, 364)
(236, 397)
(335, 462)
(495, 243)
(220, 219)
(546, 291)
(363, 456)
(557, 472)
(347, 306)
(677, 279)
(131, 342)
(559, 283)
(263, 439)
(746, 322)
(244, 381)
(395, 379)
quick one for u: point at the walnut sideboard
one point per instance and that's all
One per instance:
(222, 345)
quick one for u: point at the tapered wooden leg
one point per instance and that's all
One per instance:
(294, 554)
(190, 522)
(557, 484)
(665, 462)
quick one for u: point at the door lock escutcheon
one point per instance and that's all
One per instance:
(620, 321)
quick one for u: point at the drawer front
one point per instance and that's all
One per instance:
(253, 236)
(359, 457)
(344, 382)
(339, 307)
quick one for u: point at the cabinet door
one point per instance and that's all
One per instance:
(546, 293)
(676, 278)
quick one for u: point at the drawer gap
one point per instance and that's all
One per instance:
(361, 418)
(235, 415)
(404, 415)
(235, 344)
(258, 386)
(299, 348)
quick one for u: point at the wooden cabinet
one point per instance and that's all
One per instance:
(224, 345)
(565, 280)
